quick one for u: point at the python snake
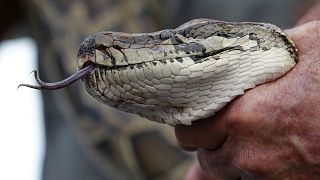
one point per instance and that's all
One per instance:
(177, 76)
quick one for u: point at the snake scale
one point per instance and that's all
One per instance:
(177, 76)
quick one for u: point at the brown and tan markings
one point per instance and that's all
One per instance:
(115, 142)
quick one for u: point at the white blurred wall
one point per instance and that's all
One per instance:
(21, 118)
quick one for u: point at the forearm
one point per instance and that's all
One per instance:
(311, 13)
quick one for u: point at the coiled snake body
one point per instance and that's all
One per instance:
(180, 75)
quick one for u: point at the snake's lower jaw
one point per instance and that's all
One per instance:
(190, 75)
(175, 99)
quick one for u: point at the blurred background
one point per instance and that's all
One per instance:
(21, 129)
(66, 134)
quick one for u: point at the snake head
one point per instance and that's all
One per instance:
(177, 76)
(104, 49)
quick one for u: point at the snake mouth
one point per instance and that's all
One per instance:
(86, 69)
(86, 65)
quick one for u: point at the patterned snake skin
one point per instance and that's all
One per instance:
(86, 140)
(177, 76)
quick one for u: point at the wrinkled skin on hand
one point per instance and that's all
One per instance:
(272, 131)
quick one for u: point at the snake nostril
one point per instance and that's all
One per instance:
(86, 51)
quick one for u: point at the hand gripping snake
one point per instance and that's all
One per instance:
(177, 76)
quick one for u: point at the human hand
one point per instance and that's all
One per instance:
(273, 130)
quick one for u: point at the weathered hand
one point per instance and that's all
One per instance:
(273, 130)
